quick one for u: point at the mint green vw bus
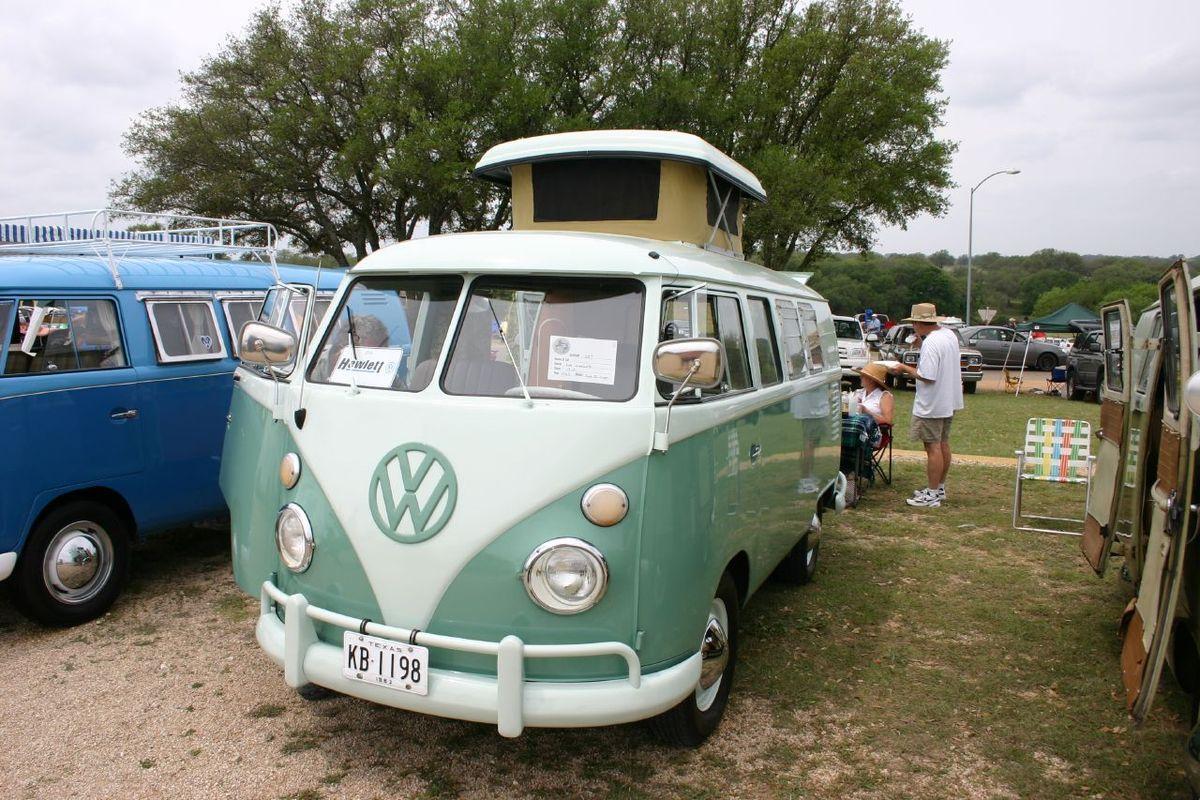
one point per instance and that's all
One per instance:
(529, 477)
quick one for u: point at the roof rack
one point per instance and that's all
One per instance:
(115, 233)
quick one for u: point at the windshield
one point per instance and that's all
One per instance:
(847, 329)
(388, 333)
(574, 339)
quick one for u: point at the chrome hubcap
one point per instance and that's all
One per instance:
(78, 562)
(714, 655)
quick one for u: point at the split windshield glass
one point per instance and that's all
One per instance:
(388, 333)
(568, 338)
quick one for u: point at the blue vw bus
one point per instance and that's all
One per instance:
(117, 355)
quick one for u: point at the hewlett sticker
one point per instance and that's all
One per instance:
(367, 366)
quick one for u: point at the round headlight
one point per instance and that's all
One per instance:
(289, 470)
(605, 504)
(294, 538)
(566, 576)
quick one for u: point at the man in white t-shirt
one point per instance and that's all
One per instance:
(938, 380)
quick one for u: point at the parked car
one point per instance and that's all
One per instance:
(1085, 365)
(406, 552)
(900, 345)
(852, 347)
(1001, 346)
(115, 378)
(1142, 505)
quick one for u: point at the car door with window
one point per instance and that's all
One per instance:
(1150, 618)
(69, 402)
(189, 379)
(1104, 494)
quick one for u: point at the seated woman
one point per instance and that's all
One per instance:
(860, 431)
(874, 398)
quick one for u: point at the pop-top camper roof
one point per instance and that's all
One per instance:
(656, 184)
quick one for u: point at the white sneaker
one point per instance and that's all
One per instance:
(926, 498)
(941, 493)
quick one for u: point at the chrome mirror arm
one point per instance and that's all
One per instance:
(662, 438)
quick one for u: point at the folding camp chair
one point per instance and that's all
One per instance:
(1057, 382)
(882, 451)
(1011, 382)
(1056, 451)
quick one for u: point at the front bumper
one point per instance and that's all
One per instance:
(972, 374)
(507, 700)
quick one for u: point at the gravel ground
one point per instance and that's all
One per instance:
(893, 676)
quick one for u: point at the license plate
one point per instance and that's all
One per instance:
(396, 665)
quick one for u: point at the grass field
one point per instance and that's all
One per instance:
(993, 423)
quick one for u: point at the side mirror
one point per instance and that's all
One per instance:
(1191, 393)
(265, 345)
(699, 363)
(872, 338)
(910, 339)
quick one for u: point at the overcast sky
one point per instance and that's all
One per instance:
(1097, 103)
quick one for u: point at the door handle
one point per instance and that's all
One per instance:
(130, 414)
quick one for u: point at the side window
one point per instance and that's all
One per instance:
(7, 315)
(185, 330)
(1170, 347)
(793, 338)
(1114, 362)
(765, 348)
(63, 336)
(812, 336)
(986, 335)
(237, 313)
(731, 332)
(717, 317)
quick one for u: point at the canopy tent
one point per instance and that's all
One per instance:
(1060, 320)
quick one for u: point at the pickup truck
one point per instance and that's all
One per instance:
(897, 346)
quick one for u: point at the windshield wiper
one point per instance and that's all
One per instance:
(511, 357)
(350, 326)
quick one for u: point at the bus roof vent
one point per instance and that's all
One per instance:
(656, 184)
(114, 234)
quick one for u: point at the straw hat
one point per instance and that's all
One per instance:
(924, 312)
(876, 371)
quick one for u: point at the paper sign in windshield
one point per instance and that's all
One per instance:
(582, 360)
(367, 366)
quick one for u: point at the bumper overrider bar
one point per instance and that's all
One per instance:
(507, 700)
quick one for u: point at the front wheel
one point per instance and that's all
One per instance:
(1073, 390)
(73, 565)
(799, 566)
(970, 386)
(697, 715)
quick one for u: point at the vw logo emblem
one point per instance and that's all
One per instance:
(412, 492)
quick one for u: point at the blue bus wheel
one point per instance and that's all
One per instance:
(73, 564)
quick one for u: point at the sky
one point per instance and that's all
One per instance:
(1097, 103)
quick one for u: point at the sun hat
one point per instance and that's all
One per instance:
(924, 312)
(876, 371)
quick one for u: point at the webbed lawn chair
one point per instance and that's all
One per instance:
(1056, 451)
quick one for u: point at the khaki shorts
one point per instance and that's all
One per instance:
(931, 429)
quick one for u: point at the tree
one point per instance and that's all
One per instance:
(346, 123)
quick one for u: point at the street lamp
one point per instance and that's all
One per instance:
(971, 234)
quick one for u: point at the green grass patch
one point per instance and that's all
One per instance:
(266, 711)
(993, 423)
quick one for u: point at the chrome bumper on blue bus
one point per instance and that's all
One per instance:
(507, 700)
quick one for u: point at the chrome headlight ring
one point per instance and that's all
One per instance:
(565, 576)
(294, 538)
